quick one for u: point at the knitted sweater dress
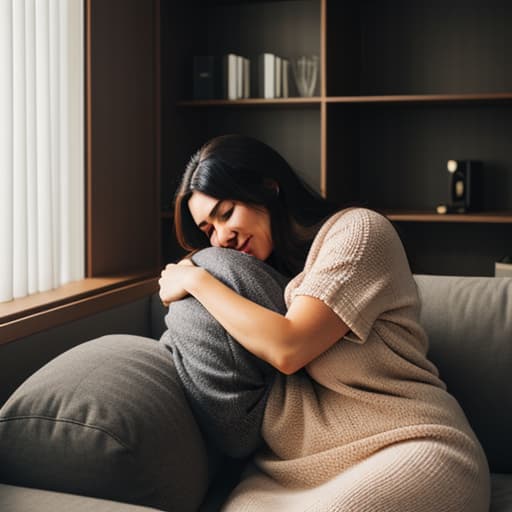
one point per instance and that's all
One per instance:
(368, 425)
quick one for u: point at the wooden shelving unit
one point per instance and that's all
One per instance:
(403, 88)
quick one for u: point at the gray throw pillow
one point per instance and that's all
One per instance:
(225, 384)
(106, 419)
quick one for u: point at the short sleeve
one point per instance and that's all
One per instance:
(356, 266)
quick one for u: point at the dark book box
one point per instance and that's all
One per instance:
(206, 78)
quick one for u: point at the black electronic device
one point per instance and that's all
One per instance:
(465, 182)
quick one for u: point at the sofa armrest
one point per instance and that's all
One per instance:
(469, 323)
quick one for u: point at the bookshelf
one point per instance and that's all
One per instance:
(403, 88)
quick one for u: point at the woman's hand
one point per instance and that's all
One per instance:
(175, 279)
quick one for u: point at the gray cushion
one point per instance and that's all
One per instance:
(106, 419)
(469, 322)
(501, 486)
(23, 499)
(226, 385)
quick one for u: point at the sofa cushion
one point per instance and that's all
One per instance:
(106, 419)
(501, 488)
(24, 499)
(225, 384)
(469, 323)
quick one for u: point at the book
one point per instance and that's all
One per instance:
(266, 75)
(277, 77)
(230, 76)
(285, 74)
(247, 78)
(204, 77)
(239, 77)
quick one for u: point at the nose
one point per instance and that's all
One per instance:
(226, 237)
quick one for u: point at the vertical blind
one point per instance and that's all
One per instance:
(41, 145)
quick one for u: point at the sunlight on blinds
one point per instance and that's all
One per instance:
(41, 145)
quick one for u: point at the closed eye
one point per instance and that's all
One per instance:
(227, 214)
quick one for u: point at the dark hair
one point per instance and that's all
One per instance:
(245, 169)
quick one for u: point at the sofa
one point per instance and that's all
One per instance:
(469, 322)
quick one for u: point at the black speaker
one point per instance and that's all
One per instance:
(465, 181)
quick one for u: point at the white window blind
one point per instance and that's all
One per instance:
(41, 145)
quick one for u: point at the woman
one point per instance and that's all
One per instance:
(359, 419)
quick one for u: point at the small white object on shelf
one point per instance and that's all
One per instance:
(305, 71)
(267, 65)
(502, 269)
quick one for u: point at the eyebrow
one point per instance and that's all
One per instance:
(212, 214)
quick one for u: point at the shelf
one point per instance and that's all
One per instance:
(402, 88)
(423, 98)
(301, 102)
(390, 98)
(499, 217)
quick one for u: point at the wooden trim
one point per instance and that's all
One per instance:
(313, 101)
(422, 98)
(323, 149)
(323, 49)
(323, 93)
(158, 122)
(123, 234)
(77, 306)
(502, 217)
(391, 98)
(88, 142)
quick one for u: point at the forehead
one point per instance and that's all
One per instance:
(200, 206)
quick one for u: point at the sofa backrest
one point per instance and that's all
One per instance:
(469, 323)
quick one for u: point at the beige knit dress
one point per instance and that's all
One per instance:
(368, 426)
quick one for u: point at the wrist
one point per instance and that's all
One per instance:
(195, 280)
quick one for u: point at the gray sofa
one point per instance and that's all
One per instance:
(469, 321)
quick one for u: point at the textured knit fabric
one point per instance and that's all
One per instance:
(368, 425)
(226, 385)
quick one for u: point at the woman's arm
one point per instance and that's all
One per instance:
(286, 342)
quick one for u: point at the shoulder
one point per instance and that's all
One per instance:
(353, 230)
(355, 218)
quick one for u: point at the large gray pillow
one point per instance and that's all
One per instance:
(106, 419)
(225, 384)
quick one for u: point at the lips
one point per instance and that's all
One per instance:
(245, 247)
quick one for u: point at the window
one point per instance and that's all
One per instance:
(41, 145)
(121, 129)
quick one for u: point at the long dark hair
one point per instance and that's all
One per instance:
(241, 168)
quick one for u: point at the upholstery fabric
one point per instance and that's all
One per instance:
(469, 323)
(106, 419)
(24, 499)
(501, 493)
(226, 385)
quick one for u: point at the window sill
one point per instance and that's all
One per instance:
(28, 315)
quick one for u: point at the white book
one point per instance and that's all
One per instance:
(230, 76)
(239, 77)
(247, 78)
(285, 73)
(277, 77)
(266, 78)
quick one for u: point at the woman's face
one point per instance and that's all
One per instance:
(229, 223)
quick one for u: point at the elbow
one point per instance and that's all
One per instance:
(287, 364)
